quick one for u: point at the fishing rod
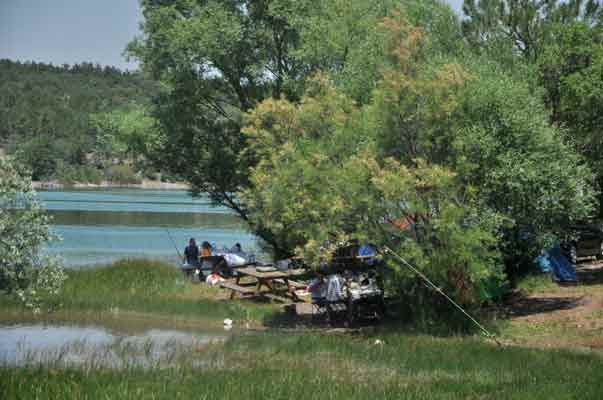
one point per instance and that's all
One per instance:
(173, 243)
(486, 333)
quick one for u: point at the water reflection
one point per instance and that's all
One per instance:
(138, 218)
(127, 200)
(98, 346)
(94, 245)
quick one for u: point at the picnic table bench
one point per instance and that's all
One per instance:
(237, 288)
(268, 279)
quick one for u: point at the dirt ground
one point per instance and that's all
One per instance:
(563, 316)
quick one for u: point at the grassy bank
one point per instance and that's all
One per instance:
(384, 362)
(143, 287)
(285, 365)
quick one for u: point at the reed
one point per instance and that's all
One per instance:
(278, 365)
(142, 286)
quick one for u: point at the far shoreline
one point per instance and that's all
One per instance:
(145, 184)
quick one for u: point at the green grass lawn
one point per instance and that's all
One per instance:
(334, 366)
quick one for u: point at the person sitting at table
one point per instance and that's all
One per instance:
(318, 290)
(237, 249)
(206, 249)
(335, 285)
(191, 254)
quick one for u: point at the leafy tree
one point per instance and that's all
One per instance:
(321, 183)
(123, 133)
(24, 229)
(506, 177)
(332, 171)
(571, 71)
(38, 154)
(508, 151)
(219, 59)
(526, 24)
(492, 132)
(561, 43)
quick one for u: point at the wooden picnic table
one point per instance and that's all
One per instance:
(205, 263)
(267, 279)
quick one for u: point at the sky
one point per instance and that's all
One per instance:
(73, 31)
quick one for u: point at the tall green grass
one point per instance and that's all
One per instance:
(146, 286)
(312, 366)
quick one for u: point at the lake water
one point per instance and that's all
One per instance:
(102, 226)
(73, 344)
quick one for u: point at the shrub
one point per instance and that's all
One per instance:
(70, 174)
(122, 174)
(24, 230)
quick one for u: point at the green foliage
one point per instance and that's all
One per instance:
(122, 174)
(47, 115)
(123, 133)
(220, 59)
(320, 184)
(518, 163)
(571, 71)
(552, 45)
(524, 25)
(466, 153)
(70, 174)
(320, 123)
(24, 230)
(37, 154)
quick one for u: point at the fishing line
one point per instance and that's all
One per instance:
(173, 243)
(440, 291)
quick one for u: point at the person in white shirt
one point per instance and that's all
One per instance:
(334, 288)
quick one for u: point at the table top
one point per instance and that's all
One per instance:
(252, 271)
(211, 258)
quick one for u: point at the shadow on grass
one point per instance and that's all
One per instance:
(590, 274)
(521, 306)
(396, 320)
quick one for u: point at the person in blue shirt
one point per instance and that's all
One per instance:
(191, 254)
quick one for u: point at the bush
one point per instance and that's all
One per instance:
(91, 174)
(122, 174)
(24, 230)
(70, 174)
(152, 175)
(37, 155)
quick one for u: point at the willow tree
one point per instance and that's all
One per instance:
(219, 59)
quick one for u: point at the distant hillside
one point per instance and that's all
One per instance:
(47, 112)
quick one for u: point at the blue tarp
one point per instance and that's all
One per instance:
(556, 263)
(368, 251)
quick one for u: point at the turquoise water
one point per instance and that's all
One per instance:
(102, 226)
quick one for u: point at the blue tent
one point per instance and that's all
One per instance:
(556, 263)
